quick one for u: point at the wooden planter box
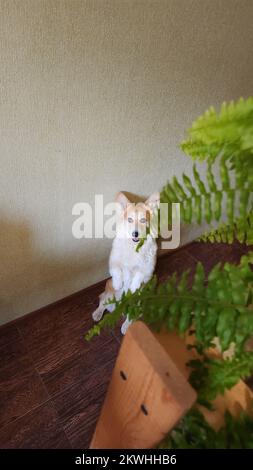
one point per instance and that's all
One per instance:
(149, 392)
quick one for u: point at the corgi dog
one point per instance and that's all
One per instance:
(128, 267)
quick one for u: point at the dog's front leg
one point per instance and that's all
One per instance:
(136, 281)
(134, 285)
(117, 277)
(125, 326)
(127, 278)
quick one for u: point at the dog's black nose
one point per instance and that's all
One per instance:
(135, 234)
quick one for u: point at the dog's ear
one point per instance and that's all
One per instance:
(153, 201)
(122, 200)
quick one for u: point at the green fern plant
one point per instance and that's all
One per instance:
(227, 132)
(193, 432)
(224, 139)
(219, 306)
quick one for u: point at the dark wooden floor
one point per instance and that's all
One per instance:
(52, 382)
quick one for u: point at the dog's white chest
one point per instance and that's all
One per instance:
(124, 253)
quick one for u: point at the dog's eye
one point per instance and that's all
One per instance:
(143, 220)
(130, 220)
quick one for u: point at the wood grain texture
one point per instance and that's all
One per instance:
(78, 408)
(45, 355)
(57, 346)
(38, 429)
(21, 388)
(146, 397)
(8, 334)
(178, 262)
(212, 253)
(78, 367)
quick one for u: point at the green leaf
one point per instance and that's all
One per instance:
(193, 432)
(226, 326)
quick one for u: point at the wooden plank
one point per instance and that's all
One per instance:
(146, 397)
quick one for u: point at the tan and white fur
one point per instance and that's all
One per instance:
(129, 268)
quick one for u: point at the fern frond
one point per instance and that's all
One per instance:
(219, 307)
(199, 203)
(193, 432)
(228, 132)
(210, 377)
(226, 233)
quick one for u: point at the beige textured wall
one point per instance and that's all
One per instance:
(94, 97)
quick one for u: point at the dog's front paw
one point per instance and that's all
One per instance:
(117, 282)
(117, 278)
(125, 326)
(136, 282)
(97, 315)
